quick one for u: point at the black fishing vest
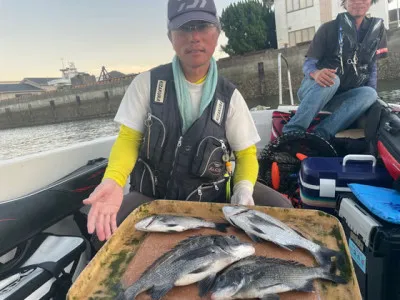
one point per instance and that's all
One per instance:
(177, 166)
(353, 59)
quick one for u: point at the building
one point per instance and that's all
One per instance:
(15, 89)
(298, 20)
(394, 18)
(41, 83)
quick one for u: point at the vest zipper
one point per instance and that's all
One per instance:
(141, 182)
(162, 124)
(207, 137)
(151, 176)
(200, 188)
(178, 145)
(148, 123)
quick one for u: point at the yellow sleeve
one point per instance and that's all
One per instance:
(124, 154)
(246, 165)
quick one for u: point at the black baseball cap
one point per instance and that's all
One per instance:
(184, 11)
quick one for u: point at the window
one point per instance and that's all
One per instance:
(292, 5)
(301, 36)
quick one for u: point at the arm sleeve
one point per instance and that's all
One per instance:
(124, 154)
(246, 166)
(309, 66)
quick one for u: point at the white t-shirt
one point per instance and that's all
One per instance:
(240, 129)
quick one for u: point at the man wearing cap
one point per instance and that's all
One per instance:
(179, 124)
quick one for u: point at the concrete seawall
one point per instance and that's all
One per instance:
(255, 75)
(70, 105)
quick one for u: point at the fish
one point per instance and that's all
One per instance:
(260, 226)
(171, 223)
(262, 277)
(193, 260)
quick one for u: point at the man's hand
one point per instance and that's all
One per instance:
(324, 77)
(106, 200)
(243, 193)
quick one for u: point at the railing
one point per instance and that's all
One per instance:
(280, 57)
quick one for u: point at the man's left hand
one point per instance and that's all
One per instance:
(243, 193)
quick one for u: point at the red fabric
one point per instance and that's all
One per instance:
(391, 164)
(382, 50)
(280, 119)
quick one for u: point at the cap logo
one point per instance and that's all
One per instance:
(196, 3)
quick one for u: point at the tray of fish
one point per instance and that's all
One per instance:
(190, 250)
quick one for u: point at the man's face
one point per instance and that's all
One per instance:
(194, 43)
(358, 8)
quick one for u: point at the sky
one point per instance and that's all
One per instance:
(125, 35)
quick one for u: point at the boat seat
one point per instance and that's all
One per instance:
(51, 261)
(356, 133)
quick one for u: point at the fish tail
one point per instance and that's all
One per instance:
(131, 292)
(331, 276)
(326, 256)
(221, 226)
(120, 293)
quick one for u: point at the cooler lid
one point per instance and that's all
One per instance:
(350, 169)
(382, 202)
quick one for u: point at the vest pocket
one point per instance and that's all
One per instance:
(154, 140)
(209, 192)
(208, 160)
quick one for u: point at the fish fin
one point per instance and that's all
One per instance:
(199, 270)
(256, 229)
(233, 223)
(271, 297)
(254, 238)
(299, 233)
(159, 291)
(172, 225)
(287, 247)
(324, 256)
(331, 276)
(221, 227)
(194, 254)
(205, 285)
(258, 220)
(335, 278)
(308, 287)
(280, 261)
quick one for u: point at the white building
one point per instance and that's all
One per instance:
(298, 20)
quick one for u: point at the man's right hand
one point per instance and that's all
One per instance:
(106, 201)
(324, 77)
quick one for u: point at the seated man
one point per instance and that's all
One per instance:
(179, 123)
(340, 70)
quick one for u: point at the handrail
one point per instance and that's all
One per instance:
(280, 56)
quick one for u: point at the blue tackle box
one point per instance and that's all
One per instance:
(322, 179)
